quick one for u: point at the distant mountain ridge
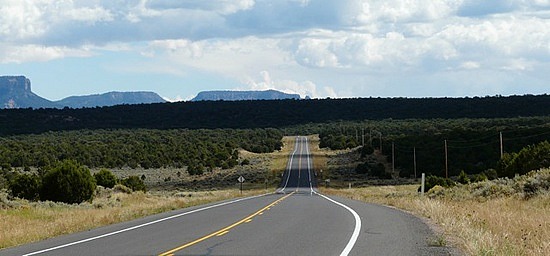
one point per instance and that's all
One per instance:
(243, 95)
(16, 92)
(110, 99)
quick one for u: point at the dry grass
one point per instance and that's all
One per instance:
(500, 226)
(278, 160)
(23, 222)
(491, 218)
(320, 157)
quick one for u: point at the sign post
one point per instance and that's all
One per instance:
(241, 180)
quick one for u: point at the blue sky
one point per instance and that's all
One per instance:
(320, 48)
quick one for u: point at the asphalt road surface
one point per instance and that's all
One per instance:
(296, 220)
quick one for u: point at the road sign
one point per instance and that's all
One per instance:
(241, 180)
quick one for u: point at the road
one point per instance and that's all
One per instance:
(296, 220)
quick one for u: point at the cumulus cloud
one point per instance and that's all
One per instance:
(314, 47)
(304, 88)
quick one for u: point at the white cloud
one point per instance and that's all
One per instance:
(303, 88)
(315, 47)
(232, 58)
(399, 11)
(20, 20)
(37, 53)
(470, 65)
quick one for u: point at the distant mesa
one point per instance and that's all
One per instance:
(244, 95)
(15, 92)
(110, 99)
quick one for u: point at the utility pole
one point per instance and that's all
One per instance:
(501, 146)
(414, 159)
(446, 161)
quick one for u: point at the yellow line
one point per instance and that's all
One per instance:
(225, 230)
(222, 233)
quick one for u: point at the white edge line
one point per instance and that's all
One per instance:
(356, 231)
(140, 226)
(290, 165)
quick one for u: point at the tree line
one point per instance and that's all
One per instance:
(473, 145)
(198, 150)
(266, 113)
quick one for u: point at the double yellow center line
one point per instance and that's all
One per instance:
(225, 230)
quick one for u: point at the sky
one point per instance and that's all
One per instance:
(319, 48)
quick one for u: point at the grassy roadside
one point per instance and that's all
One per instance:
(24, 222)
(487, 218)
(499, 226)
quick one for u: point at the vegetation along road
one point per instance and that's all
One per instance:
(296, 220)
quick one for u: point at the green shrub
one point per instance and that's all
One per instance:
(491, 174)
(479, 177)
(105, 178)
(538, 181)
(195, 169)
(432, 181)
(122, 188)
(135, 183)
(530, 158)
(245, 162)
(25, 186)
(68, 182)
(463, 178)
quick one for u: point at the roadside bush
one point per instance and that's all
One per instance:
(479, 177)
(195, 169)
(121, 188)
(245, 162)
(432, 181)
(25, 186)
(494, 188)
(463, 178)
(134, 183)
(538, 181)
(530, 158)
(68, 182)
(105, 178)
(491, 174)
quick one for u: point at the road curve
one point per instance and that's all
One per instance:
(296, 220)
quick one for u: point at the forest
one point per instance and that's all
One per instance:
(473, 145)
(266, 114)
(206, 135)
(199, 150)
